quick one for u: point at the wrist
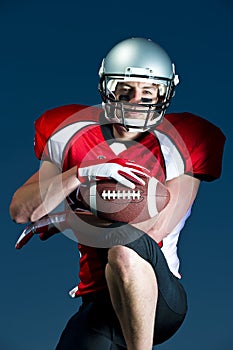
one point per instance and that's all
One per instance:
(81, 174)
(77, 172)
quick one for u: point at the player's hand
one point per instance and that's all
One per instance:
(45, 227)
(122, 170)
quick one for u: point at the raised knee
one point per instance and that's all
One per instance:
(122, 260)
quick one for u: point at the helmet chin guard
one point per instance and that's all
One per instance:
(140, 120)
(137, 60)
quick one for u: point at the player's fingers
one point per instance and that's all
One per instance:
(130, 175)
(138, 167)
(125, 180)
(137, 175)
(47, 234)
(140, 173)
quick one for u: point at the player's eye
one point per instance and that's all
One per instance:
(124, 98)
(146, 100)
(147, 92)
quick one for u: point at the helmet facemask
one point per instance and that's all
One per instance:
(147, 115)
(137, 60)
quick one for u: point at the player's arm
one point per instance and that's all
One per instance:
(46, 189)
(183, 191)
(42, 192)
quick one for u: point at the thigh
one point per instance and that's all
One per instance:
(172, 301)
(94, 326)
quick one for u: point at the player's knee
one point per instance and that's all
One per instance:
(122, 260)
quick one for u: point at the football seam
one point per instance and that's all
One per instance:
(108, 194)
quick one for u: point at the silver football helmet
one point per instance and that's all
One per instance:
(137, 60)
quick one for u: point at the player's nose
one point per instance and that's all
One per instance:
(136, 96)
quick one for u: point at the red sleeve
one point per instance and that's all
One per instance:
(49, 122)
(204, 145)
(40, 138)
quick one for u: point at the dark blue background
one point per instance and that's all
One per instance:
(50, 55)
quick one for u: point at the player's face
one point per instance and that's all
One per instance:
(136, 93)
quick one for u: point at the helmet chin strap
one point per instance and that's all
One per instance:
(130, 127)
(135, 130)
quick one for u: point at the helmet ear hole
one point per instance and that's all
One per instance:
(162, 90)
(171, 91)
(105, 92)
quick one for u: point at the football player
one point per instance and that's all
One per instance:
(132, 295)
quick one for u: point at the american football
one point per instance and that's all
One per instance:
(110, 200)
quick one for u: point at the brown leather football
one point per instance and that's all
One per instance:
(110, 200)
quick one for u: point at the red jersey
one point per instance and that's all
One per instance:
(182, 144)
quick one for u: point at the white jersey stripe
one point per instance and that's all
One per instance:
(58, 142)
(173, 160)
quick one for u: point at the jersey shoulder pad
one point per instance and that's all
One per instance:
(203, 140)
(57, 118)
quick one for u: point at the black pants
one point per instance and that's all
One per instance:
(95, 325)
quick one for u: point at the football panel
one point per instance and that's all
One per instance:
(115, 202)
(119, 203)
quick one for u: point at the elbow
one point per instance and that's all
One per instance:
(18, 212)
